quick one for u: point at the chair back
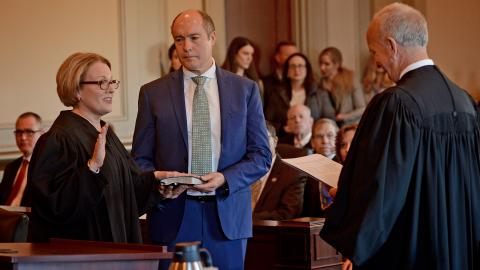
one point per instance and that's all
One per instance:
(13, 226)
(290, 151)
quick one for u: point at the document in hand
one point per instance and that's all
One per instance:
(181, 180)
(317, 166)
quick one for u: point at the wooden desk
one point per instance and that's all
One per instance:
(76, 255)
(293, 244)
(19, 209)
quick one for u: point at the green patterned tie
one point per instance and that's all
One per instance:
(201, 137)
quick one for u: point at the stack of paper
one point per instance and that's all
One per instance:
(317, 166)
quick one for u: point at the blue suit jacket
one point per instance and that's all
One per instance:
(160, 142)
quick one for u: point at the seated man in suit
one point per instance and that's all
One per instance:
(299, 126)
(27, 131)
(278, 194)
(323, 138)
(323, 142)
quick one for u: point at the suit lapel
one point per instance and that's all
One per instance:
(271, 183)
(178, 100)
(284, 95)
(225, 99)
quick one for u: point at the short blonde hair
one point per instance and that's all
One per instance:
(72, 72)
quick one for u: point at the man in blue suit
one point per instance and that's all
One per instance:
(218, 212)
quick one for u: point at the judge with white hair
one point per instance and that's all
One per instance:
(408, 193)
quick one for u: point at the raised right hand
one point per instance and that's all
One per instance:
(96, 162)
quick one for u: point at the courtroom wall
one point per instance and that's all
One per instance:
(38, 35)
(135, 34)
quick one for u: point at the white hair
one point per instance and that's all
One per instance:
(404, 24)
(300, 106)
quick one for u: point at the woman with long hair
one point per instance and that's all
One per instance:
(240, 60)
(347, 99)
(375, 80)
(299, 88)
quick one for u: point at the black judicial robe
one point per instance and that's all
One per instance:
(409, 193)
(70, 201)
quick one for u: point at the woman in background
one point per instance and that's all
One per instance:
(299, 88)
(82, 182)
(343, 141)
(347, 99)
(375, 80)
(240, 60)
(175, 63)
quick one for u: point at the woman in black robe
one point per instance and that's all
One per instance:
(82, 182)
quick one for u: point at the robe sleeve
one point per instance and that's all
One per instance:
(145, 185)
(374, 182)
(63, 189)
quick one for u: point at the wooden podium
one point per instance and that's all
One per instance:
(74, 254)
(292, 244)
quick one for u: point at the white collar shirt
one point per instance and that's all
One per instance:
(418, 64)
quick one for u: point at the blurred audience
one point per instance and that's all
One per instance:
(343, 141)
(240, 59)
(347, 99)
(278, 194)
(324, 132)
(28, 129)
(375, 80)
(175, 63)
(299, 88)
(273, 81)
(299, 126)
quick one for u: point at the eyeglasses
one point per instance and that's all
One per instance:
(27, 132)
(104, 84)
(293, 66)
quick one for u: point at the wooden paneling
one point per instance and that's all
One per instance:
(290, 244)
(74, 254)
(265, 22)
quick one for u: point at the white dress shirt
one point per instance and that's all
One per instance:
(211, 89)
(418, 64)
